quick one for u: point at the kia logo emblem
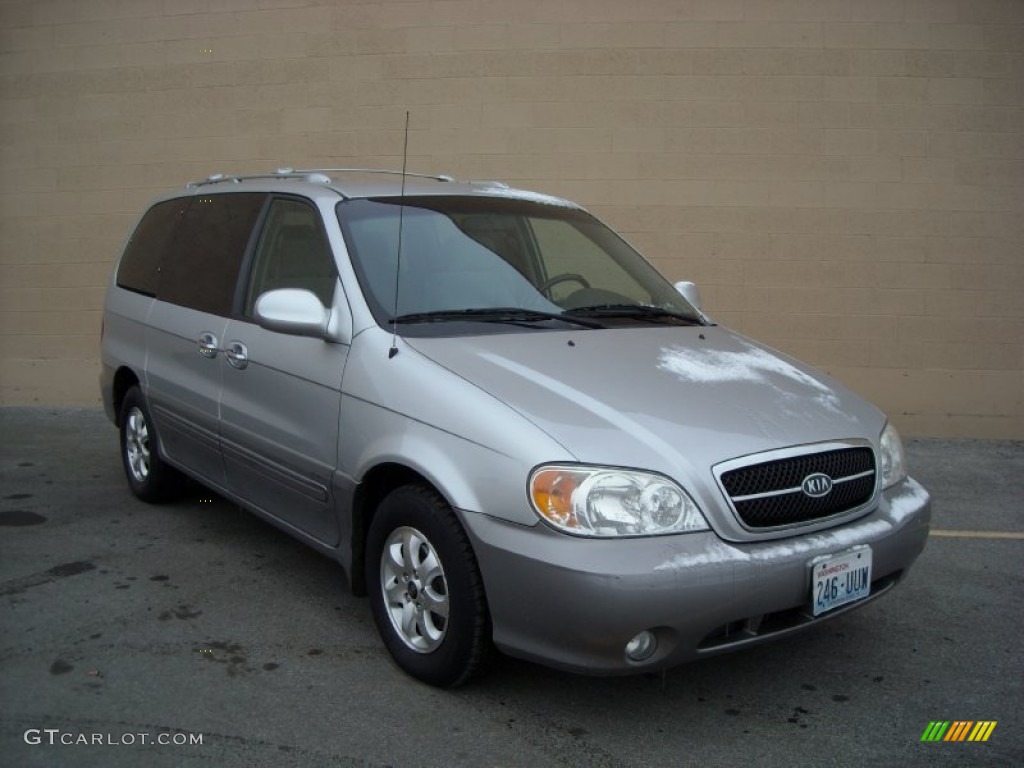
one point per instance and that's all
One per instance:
(816, 485)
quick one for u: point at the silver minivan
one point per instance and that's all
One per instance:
(507, 427)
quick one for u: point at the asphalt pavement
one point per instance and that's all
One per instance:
(123, 625)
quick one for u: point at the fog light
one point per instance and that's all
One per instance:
(642, 647)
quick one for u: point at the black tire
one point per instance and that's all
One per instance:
(463, 646)
(148, 476)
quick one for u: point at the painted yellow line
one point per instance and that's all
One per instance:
(977, 534)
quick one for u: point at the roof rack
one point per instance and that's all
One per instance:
(389, 171)
(282, 173)
(312, 175)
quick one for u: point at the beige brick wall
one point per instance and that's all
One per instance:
(843, 178)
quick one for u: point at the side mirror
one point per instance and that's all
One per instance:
(689, 292)
(292, 310)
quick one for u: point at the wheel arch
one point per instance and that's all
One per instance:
(124, 379)
(377, 483)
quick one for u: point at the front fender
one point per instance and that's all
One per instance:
(471, 477)
(408, 410)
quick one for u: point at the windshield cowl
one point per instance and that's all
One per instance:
(513, 315)
(639, 311)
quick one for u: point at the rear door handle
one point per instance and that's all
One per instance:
(237, 354)
(208, 345)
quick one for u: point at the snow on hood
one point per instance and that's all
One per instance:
(749, 363)
(671, 399)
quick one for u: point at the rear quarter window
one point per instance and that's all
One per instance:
(139, 269)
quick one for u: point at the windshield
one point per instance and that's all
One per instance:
(527, 261)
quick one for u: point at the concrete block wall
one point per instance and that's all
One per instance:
(843, 178)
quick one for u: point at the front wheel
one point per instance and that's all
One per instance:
(426, 593)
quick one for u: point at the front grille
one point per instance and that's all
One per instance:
(769, 494)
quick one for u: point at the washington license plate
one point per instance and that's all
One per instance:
(841, 579)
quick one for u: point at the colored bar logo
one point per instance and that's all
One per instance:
(958, 730)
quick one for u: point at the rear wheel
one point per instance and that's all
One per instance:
(426, 593)
(149, 477)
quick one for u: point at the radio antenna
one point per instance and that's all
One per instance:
(398, 257)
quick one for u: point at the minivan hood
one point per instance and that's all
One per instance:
(676, 400)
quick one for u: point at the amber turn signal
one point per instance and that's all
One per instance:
(552, 491)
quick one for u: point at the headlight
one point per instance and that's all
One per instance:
(601, 501)
(894, 461)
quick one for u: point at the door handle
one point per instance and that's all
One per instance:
(237, 354)
(208, 345)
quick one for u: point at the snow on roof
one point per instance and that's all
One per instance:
(535, 197)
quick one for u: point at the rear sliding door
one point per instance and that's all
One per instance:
(195, 294)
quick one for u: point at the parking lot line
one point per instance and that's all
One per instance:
(977, 534)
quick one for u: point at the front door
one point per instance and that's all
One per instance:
(281, 394)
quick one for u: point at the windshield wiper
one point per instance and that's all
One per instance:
(514, 315)
(641, 311)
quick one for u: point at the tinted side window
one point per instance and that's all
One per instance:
(201, 268)
(293, 253)
(139, 269)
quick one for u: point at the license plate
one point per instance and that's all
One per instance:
(841, 579)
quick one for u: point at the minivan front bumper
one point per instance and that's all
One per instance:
(574, 603)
